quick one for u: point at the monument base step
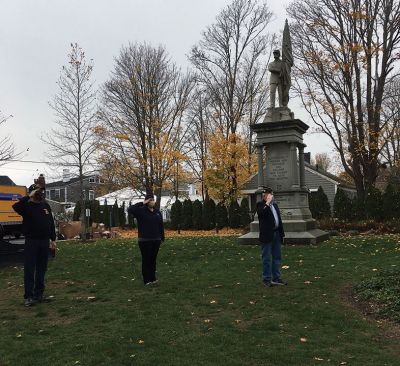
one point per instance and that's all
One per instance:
(312, 237)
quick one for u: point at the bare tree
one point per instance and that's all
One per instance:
(7, 148)
(71, 143)
(142, 117)
(390, 138)
(345, 55)
(231, 62)
(322, 161)
(199, 130)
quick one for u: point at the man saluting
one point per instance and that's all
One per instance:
(271, 237)
(39, 230)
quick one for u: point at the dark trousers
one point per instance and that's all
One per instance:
(35, 265)
(149, 250)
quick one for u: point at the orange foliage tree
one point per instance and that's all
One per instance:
(228, 166)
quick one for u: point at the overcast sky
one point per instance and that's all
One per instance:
(34, 43)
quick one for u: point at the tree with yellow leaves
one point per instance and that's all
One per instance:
(143, 107)
(345, 57)
(228, 166)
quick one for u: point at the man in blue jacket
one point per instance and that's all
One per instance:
(271, 238)
(150, 235)
(39, 230)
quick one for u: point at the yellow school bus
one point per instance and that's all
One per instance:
(10, 221)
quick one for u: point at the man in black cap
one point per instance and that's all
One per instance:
(271, 238)
(150, 235)
(38, 226)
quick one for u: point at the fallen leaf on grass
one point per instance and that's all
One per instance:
(318, 359)
(213, 302)
(140, 341)
(303, 340)
(207, 321)
(91, 298)
(307, 282)
(285, 267)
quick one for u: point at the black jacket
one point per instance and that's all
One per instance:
(267, 222)
(38, 222)
(150, 223)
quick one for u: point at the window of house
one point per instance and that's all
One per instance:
(47, 194)
(57, 193)
(92, 180)
(91, 195)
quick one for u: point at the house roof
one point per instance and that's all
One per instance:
(333, 177)
(252, 183)
(60, 183)
(6, 181)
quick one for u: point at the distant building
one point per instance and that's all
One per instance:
(387, 175)
(67, 190)
(132, 196)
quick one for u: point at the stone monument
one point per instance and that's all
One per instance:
(280, 143)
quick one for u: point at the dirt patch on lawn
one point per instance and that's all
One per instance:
(390, 329)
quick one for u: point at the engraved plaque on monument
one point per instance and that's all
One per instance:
(278, 167)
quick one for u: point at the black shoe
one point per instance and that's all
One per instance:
(29, 301)
(41, 298)
(267, 283)
(152, 283)
(278, 282)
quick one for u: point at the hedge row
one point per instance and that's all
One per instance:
(197, 215)
(376, 205)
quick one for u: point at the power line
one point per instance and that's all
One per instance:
(35, 162)
(10, 168)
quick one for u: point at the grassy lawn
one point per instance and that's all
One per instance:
(209, 309)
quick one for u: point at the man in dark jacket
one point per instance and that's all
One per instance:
(38, 226)
(150, 235)
(271, 238)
